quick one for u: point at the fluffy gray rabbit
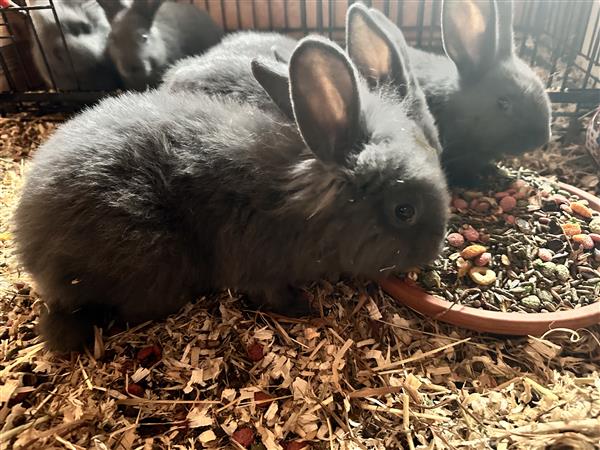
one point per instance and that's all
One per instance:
(150, 35)
(85, 29)
(148, 199)
(226, 69)
(486, 101)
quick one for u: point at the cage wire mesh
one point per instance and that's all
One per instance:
(561, 39)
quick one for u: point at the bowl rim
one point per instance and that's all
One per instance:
(482, 320)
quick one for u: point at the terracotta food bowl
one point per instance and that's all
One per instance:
(509, 323)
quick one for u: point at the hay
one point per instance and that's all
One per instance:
(366, 373)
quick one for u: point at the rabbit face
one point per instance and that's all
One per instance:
(133, 46)
(375, 190)
(397, 181)
(131, 57)
(487, 102)
(507, 111)
(131, 52)
(382, 208)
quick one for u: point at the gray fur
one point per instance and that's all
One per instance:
(465, 95)
(226, 68)
(404, 81)
(144, 201)
(86, 30)
(151, 35)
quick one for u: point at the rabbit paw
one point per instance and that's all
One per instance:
(66, 331)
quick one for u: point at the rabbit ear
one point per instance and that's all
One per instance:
(112, 7)
(281, 54)
(469, 34)
(325, 98)
(505, 29)
(371, 49)
(276, 83)
(392, 30)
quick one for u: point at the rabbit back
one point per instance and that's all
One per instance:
(225, 70)
(120, 213)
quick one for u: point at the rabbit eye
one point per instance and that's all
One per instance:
(144, 37)
(503, 103)
(404, 213)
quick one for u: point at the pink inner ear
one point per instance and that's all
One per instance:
(369, 51)
(328, 81)
(333, 114)
(469, 22)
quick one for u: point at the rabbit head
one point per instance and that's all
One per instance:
(80, 61)
(374, 182)
(129, 45)
(500, 105)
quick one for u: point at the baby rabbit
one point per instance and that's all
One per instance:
(85, 30)
(486, 101)
(225, 69)
(144, 201)
(150, 35)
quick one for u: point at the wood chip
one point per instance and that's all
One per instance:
(366, 373)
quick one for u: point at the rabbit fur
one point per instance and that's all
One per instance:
(85, 30)
(487, 102)
(226, 69)
(150, 35)
(148, 199)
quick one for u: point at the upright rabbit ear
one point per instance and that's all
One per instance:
(372, 50)
(504, 10)
(392, 30)
(276, 83)
(325, 99)
(469, 34)
(112, 7)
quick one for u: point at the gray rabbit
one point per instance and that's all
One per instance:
(80, 62)
(486, 101)
(144, 201)
(150, 35)
(226, 69)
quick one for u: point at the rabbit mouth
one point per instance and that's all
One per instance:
(426, 252)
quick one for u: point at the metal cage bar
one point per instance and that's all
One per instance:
(561, 37)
